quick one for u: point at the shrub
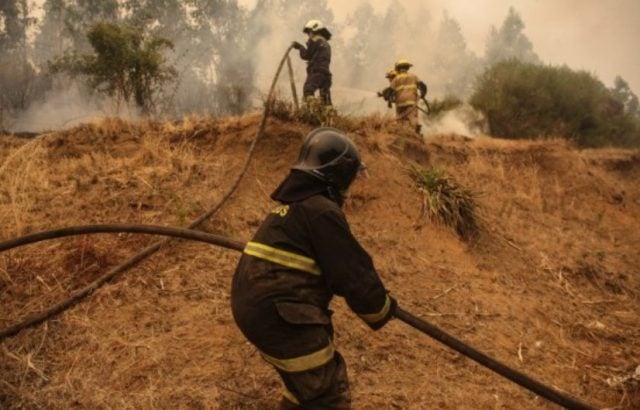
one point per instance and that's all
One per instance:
(445, 202)
(126, 64)
(522, 100)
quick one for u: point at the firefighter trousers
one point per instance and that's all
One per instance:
(325, 387)
(318, 81)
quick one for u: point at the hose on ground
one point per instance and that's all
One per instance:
(430, 330)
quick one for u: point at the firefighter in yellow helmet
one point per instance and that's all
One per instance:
(303, 255)
(388, 94)
(407, 89)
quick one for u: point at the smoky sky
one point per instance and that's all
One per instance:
(593, 35)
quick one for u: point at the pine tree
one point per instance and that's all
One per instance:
(622, 93)
(510, 42)
(453, 66)
(361, 49)
(17, 74)
(221, 28)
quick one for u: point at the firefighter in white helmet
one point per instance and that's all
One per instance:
(317, 54)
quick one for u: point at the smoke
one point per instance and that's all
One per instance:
(66, 107)
(232, 65)
(463, 120)
(365, 44)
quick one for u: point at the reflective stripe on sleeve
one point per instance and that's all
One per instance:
(376, 317)
(406, 104)
(407, 87)
(302, 363)
(284, 258)
(286, 393)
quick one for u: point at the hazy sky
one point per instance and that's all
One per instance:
(600, 36)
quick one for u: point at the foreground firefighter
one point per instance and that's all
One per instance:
(303, 254)
(317, 54)
(406, 87)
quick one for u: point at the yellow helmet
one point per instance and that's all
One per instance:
(391, 73)
(403, 64)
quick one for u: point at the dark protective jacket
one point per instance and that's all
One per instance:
(317, 54)
(302, 255)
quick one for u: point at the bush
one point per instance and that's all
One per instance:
(522, 100)
(444, 201)
(126, 64)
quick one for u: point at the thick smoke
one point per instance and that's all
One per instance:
(366, 43)
(228, 55)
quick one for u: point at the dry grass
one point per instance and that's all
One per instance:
(447, 202)
(557, 301)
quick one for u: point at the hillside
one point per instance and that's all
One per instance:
(551, 286)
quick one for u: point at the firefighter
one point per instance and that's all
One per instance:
(407, 88)
(388, 94)
(317, 54)
(301, 256)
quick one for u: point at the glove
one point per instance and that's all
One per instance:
(422, 87)
(296, 45)
(379, 94)
(392, 310)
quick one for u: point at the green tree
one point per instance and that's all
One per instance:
(361, 49)
(510, 42)
(222, 50)
(622, 92)
(81, 15)
(453, 66)
(523, 100)
(125, 64)
(17, 74)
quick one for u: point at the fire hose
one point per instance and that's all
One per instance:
(515, 376)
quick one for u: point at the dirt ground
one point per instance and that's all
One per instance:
(551, 286)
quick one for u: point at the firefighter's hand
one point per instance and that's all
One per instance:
(422, 87)
(379, 94)
(296, 45)
(390, 314)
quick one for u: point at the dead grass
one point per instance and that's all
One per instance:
(551, 288)
(447, 202)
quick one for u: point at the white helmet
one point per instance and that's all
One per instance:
(313, 26)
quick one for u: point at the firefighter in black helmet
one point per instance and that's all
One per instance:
(301, 256)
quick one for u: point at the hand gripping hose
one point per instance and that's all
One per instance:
(430, 330)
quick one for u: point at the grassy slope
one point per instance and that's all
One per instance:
(551, 287)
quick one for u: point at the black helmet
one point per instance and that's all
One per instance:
(330, 155)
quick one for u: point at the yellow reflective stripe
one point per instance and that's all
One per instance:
(405, 104)
(286, 393)
(376, 317)
(284, 258)
(407, 87)
(302, 363)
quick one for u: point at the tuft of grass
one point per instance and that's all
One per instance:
(314, 113)
(446, 202)
(282, 110)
